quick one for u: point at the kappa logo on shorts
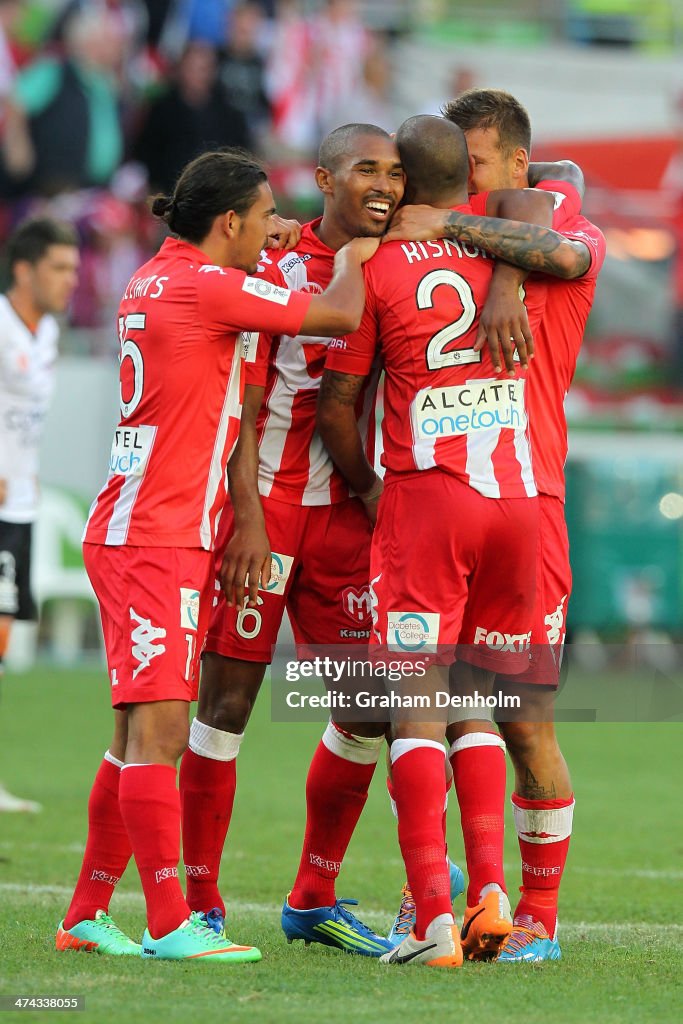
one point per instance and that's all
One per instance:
(356, 603)
(280, 568)
(142, 638)
(555, 623)
(413, 631)
(497, 641)
(189, 608)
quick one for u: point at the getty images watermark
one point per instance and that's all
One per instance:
(340, 674)
(577, 683)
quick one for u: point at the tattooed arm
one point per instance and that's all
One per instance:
(338, 428)
(525, 245)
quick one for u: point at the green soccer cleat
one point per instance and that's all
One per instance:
(100, 935)
(195, 940)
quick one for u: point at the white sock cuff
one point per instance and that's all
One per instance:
(214, 744)
(476, 739)
(545, 825)
(112, 760)
(359, 749)
(401, 747)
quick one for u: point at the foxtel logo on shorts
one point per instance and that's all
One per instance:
(189, 608)
(280, 568)
(497, 641)
(413, 631)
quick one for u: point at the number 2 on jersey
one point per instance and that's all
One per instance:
(132, 322)
(437, 356)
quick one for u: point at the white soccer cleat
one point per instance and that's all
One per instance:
(442, 949)
(11, 803)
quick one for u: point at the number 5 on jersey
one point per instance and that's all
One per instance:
(129, 350)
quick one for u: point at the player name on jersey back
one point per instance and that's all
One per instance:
(183, 324)
(444, 405)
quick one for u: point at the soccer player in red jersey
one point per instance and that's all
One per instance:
(149, 539)
(456, 449)
(498, 135)
(319, 532)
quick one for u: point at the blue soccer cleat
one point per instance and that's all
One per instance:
(404, 921)
(529, 943)
(333, 926)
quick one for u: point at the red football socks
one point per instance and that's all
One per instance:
(419, 785)
(336, 791)
(150, 808)
(107, 849)
(207, 794)
(478, 762)
(544, 829)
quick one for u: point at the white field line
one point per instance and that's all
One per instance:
(134, 900)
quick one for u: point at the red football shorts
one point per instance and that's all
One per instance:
(319, 573)
(452, 567)
(553, 590)
(155, 605)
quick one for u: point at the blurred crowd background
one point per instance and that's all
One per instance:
(103, 101)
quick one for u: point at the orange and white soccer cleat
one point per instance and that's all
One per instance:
(486, 926)
(442, 949)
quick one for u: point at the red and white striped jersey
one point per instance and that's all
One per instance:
(294, 466)
(181, 385)
(444, 406)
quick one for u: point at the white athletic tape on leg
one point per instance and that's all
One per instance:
(477, 739)
(359, 749)
(112, 760)
(401, 747)
(214, 744)
(467, 714)
(544, 825)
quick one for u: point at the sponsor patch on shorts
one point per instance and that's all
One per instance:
(189, 608)
(413, 631)
(280, 568)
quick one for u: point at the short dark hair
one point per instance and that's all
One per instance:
(492, 108)
(31, 240)
(212, 184)
(334, 146)
(434, 156)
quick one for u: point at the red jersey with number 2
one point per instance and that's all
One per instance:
(444, 405)
(180, 324)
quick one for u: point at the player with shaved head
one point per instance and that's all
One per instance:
(498, 133)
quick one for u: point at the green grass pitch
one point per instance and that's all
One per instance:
(621, 933)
